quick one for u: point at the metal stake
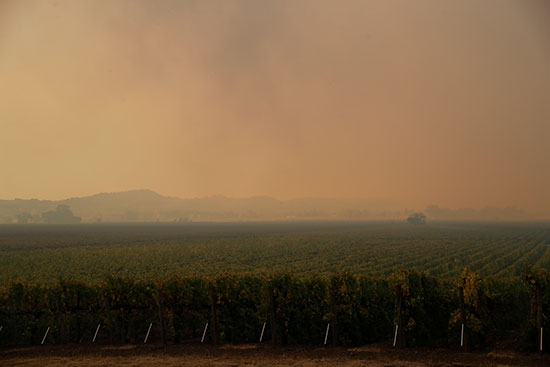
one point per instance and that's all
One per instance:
(326, 334)
(541, 339)
(148, 331)
(45, 335)
(204, 332)
(96, 330)
(261, 335)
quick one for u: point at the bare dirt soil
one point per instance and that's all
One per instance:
(253, 355)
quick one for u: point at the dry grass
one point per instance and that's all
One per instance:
(254, 356)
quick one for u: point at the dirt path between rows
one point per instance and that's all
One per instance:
(252, 355)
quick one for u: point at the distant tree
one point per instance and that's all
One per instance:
(23, 218)
(417, 218)
(61, 215)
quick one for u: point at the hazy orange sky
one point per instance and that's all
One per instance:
(420, 102)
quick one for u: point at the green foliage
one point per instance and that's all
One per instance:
(506, 295)
(477, 309)
(426, 302)
(299, 306)
(537, 281)
(360, 309)
(185, 301)
(237, 305)
(376, 309)
(344, 275)
(42, 254)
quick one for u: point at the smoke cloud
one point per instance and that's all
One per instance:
(418, 102)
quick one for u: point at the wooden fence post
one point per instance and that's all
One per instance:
(160, 304)
(399, 339)
(464, 333)
(213, 318)
(334, 320)
(273, 310)
(538, 300)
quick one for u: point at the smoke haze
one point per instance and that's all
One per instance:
(424, 102)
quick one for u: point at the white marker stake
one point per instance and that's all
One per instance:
(204, 332)
(541, 339)
(261, 335)
(395, 336)
(45, 335)
(326, 334)
(96, 330)
(462, 336)
(148, 331)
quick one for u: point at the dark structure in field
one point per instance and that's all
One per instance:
(417, 218)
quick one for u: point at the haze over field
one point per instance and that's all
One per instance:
(146, 206)
(410, 103)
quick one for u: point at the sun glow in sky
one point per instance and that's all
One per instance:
(420, 102)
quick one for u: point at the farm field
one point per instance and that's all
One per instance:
(293, 280)
(40, 253)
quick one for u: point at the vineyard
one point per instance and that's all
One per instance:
(415, 308)
(40, 254)
(289, 284)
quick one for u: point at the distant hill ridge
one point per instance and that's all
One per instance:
(147, 205)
